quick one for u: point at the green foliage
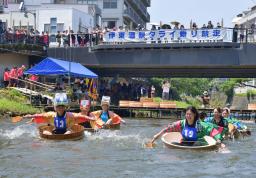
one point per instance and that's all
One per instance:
(228, 86)
(189, 86)
(13, 101)
(15, 107)
(218, 100)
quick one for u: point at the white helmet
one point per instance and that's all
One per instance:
(60, 99)
(105, 100)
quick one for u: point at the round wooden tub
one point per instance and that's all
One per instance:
(76, 134)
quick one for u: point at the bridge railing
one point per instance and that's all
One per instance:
(235, 35)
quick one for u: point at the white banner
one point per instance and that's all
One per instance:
(170, 36)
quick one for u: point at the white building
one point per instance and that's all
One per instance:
(51, 17)
(247, 20)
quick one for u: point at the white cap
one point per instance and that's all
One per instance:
(105, 100)
(85, 103)
(60, 99)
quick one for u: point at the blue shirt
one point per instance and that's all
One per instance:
(104, 116)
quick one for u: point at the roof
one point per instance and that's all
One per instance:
(51, 66)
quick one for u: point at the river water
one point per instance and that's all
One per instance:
(120, 153)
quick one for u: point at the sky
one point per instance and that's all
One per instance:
(199, 11)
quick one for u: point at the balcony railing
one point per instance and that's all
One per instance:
(138, 5)
(133, 16)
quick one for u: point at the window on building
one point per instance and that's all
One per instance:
(109, 24)
(109, 4)
(46, 27)
(53, 25)
(87, 1)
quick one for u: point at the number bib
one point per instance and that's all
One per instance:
(60, 122)
(189, 133)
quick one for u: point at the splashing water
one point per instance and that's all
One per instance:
(19, 131)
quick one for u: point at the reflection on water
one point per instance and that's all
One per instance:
(118, 153)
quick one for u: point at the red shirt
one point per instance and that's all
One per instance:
(34, 78)
(6, 76)
(13, 73)
(20, 72)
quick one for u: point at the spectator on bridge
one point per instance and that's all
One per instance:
(235, 33)
(194, 26)
(166, 90)
(251, 33)
(218, 25)
(58, 38)
(241, 33)
(210, 25)
(6, 77)
(204, 26)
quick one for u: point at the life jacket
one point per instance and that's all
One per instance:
(60, 122)
(189, 133)
(116, 119)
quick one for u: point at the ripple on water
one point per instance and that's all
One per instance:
(19, 131)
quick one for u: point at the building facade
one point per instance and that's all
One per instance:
(114, 13)
(247, 20)
(45, 15)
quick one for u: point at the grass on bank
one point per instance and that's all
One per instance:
(14, 102)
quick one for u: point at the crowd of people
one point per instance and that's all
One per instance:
(13, 77)
(70, 38)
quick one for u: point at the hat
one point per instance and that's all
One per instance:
(85, 103)
(205, 93)
(60, 99)
(105, 100)
(226, 108)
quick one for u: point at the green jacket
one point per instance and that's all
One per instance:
(203, 129)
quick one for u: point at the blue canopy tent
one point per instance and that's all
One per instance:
(51, 66)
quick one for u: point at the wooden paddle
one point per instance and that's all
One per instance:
(149, 145)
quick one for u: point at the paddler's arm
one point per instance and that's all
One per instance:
(79, 115)
(45, 116)
(175, 127)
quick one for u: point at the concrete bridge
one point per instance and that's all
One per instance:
(215, 59)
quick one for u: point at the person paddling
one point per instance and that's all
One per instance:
(191, 128)
(218, 120)
(61, 119)
(85, 116)
(236, 123)
(105, 115)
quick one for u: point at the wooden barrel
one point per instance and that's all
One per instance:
(112, 126)
(172, 140)
(77, 132)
